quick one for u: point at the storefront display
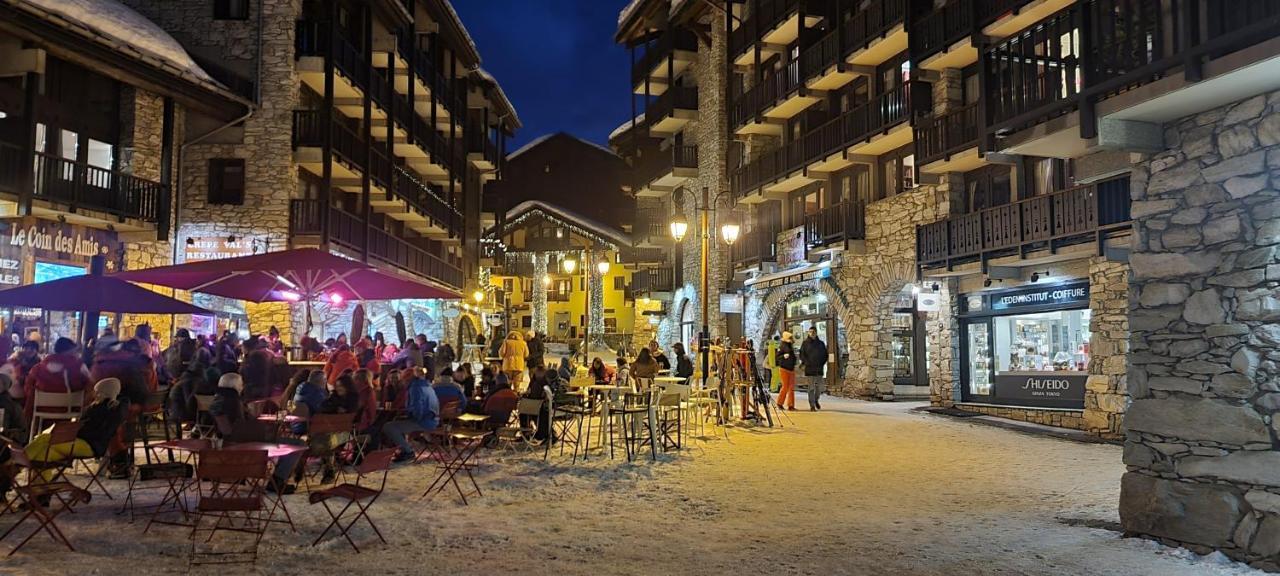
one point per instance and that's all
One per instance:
(1027, 347)
(813, 311)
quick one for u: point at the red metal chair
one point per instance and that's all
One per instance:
(360, 496)
(36, 497)
(326, 433)
(237, 480)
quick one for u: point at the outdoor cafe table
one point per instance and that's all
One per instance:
(274, 452)
(464, 445)
(662, 380)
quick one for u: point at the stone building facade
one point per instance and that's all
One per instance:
(1201, 444)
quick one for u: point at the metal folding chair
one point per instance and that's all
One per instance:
(57, 406)
(37, 497)
(360, 496)
(237, 481)
(326, 433)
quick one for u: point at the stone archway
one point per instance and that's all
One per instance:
(763, 310)
(870, 373)
(467, 331)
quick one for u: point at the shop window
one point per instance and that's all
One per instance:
(1042, 342)
(898, 169)
(619, 283)
(226, 181)
(230, 9)
(526, 322)
(611, 325)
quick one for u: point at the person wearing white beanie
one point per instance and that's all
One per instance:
(785, 360)
(99, 423)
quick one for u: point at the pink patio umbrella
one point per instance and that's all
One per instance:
(302, 274)
(95, 293)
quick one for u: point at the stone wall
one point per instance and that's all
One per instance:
(1106, 396)
(264, 140)
(1201, 445)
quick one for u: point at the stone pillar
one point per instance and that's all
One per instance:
(1106, 394)
(1201, 449)
(539, 293)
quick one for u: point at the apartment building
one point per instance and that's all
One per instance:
(373, 131)
(1057, 211)
(96, 104)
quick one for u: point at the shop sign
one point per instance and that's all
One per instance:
(731, 304)
(1047, 389)
(28, 241)
(1041, 296)
(791, 247)
(929, 302)
(216, 248)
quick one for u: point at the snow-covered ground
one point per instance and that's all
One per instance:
(860, 488)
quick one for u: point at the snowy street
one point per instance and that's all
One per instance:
(861, 488)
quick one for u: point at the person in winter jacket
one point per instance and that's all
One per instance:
(308, 397)
(14, 422)
(514, 353)
(601, 372)
(813, 355)
(228, 400)
(19, 367)
(424, 415)
(684, 365)
(98, 424)
(126, 366)
(645, 366)
(256, 369)
(61, 371)
(445, 356)
(785, 360)
(340, 361)
(367, 407)
(228, 354)
(537, 351)
(770, 357)
(447, 390)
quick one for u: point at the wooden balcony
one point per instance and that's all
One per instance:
(657, 172)
(1091, 51)
(664, 58)
(835, 225)
(652, 282)
(668, 113)
(1089, 213)
(754, 248)
(91, 193)
(779, 95)
(772, 23)
(348, 231)
(875, 34)
(316, 41)
(827, 147)
(949, 142)
(935, 34)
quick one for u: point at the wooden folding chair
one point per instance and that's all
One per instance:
(237, 482)
(360, 496)
(57, 406)
(326, 433)
(37, 497)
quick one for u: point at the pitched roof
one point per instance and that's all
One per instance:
(618, 237)
(545, 137)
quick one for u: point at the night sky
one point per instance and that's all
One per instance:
(557, 62)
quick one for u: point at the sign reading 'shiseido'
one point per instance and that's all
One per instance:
(1049, 389)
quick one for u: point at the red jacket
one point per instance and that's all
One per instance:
(368, 411)
(56, 373)
(338, 363)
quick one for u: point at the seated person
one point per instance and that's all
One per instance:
(98, 424)
(424, 415)
(227, 400)
(14, 423)
(599, 372)
(447, 390)
(462, 376)
(307, 398)
(345, 398)
(499, 405)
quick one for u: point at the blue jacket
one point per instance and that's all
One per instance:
(450, 390)
(423, 405)
(311, 396)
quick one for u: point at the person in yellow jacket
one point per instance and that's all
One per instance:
(775, 377)
(513, 353)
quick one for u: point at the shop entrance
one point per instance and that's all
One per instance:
(813, 311)
(910, 349)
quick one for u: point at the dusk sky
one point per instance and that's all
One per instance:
(557, 62)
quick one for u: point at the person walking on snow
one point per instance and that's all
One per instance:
(813, 354)
(785, 359)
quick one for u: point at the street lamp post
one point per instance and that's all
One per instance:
(729, 232)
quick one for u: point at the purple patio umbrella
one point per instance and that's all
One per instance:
(100, 293)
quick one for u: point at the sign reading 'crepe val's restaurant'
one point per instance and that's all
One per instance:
(216, 248)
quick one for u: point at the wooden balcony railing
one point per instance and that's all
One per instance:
(939, 29)
(938, 137)
(1093, 49)
(754, 247)
(881, 113)
(309, 131)
(834, 224)
(872, 23)
(82, 186)
(775, 86)
(988, 11)
(348, 231)
(425, 200)
(654, 162)
(315, 38)
(653, 280)
(451, 93)
(767, 15)
(662, 47)
(1071, 216)
(675, 98)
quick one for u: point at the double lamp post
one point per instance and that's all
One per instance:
(729, 232)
